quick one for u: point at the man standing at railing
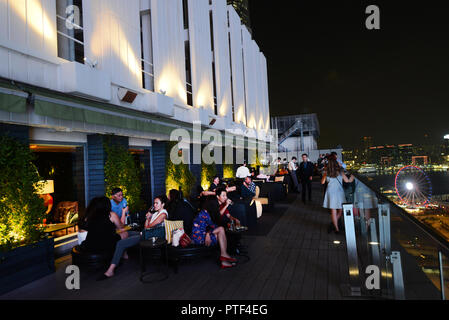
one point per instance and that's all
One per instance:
(306, 175)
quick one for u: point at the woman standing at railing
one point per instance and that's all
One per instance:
(335, 194)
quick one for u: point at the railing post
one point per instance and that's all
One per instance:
(440, 258)
(353, 288)
(397, 275)
(374, 243)
(384, 228)
(385, 243)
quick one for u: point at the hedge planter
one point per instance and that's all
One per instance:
(23, 265)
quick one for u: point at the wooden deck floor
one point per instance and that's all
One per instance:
(296, 260)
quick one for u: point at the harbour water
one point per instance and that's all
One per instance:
(438, 179)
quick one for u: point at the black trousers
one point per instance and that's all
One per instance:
(306, 186)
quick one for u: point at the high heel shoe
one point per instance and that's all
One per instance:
(223, 266)
(227, 259)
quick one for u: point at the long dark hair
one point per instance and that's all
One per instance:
(98, 208)
(333, 170)
(208, 206)
(175, 198)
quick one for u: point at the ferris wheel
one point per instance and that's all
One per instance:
(413, 186)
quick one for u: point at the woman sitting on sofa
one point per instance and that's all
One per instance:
(206, 232)
(106, 234)
(154, 224)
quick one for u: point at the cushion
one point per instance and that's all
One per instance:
(170, 226)
(279, 179)
(257, 192)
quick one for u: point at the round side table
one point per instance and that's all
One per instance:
(149, 245)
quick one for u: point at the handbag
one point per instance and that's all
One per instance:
(177, 234)
(185, 240)
(156, 232)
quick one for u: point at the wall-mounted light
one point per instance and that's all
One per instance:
(126, 95)
(92, 64)
(163, 92)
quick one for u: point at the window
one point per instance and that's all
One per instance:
(185, 8)
(211, 22)
(146, 40)
(189, 88)
(232, 77)
(69, 21)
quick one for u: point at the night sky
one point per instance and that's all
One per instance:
(391, 84)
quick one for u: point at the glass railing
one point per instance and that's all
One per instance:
(412, 259)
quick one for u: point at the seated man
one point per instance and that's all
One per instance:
(248, 190)
(242, 171)
(216, 182)
(119, 205)
(247, 193)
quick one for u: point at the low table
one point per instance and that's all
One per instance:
(60, 226)
(235, 237)
(159, 244)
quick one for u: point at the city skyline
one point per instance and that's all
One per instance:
(391, 83)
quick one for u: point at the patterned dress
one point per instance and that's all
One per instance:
(201, 225)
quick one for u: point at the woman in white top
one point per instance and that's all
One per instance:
(335, 194)
(155, 220)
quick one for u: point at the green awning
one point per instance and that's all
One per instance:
(12, 103)
(64, 112)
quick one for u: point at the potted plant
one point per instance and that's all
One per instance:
(25, 253)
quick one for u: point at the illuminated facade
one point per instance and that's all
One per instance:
(135, 69)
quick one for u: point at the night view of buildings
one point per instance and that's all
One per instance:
(387, 156)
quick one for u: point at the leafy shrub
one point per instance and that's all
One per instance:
(178, 176)
(21, 209)
(228, 171)
(208, 171)
(121, 171)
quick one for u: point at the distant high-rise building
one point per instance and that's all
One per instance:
(242, 8)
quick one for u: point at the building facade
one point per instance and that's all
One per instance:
(242, 8)
(77, 72)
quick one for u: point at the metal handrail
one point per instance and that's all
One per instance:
(442, 244)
